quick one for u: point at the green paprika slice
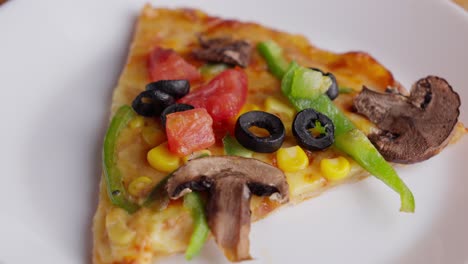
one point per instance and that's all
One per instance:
(211, 70)
(194, 203)
(158, 197)
(273, 55)
(234, 148)
(112, 175)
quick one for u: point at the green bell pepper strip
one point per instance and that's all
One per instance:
(158, 196)
(213, 69)
(273, 55)
(348, 138)
(194, 203)
(112, 175)
(233, 148)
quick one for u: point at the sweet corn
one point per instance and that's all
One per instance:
(153, 136)
(137, 122)
(292, 159)
(117, 229)
(335, 169)
(162, 159)
(138, 185)
(273, 105)
(196, 155)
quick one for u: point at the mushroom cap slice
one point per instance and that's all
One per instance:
(230, 181)
(198, 174)
(412, 128)
(224, 50)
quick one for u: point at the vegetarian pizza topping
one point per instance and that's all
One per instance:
(332, 91)
(112, 175)
(273, 55)
(308, 119)
(212, 69)
(173, 109)
(194, 203)
(159, 95)
(412, 128)
(264, 120)
(222, 97)
(189, 131)
(174, 88)
(230, 181)
(233, 148)
(152, 102)
(299, 86)
(166, 64)
(292, 159)
(161, 159)
(224, 50)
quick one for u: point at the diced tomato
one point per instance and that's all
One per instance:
(222, 97)
(166, 64)
(189, 131)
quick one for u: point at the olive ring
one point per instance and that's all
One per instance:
(175, 88)
(152, 102)
(304, 121)
(263, 120)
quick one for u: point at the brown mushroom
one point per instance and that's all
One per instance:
(412, 128)
(230, 181)
(225, 50)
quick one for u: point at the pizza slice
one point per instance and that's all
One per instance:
(216, 123)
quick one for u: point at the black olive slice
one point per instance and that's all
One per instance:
(172, 109)
(175, 88)
(152, 102)
(332, 91)
(304, 121)
(263, 120)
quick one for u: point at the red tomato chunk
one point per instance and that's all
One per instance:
(189, 131)
(222, 97)
(166, 64)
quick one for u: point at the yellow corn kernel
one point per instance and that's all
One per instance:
(273, 105)
(117, 228)
(137, 122)
(292, 159)
(247, 108)
(162, 159)
(335, 169)
(153, 135)
(138, 185)
(197, 154)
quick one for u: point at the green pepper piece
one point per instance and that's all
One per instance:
(112, 175)
(194, 203)
(348, 138)
(213, 69)
(233, 148)
(158, 196)
(273, 55)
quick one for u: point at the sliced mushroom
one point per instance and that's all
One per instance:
(230, 181)
(225, 50)
(415, 127)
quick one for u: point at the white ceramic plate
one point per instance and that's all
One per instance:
(59, 61)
